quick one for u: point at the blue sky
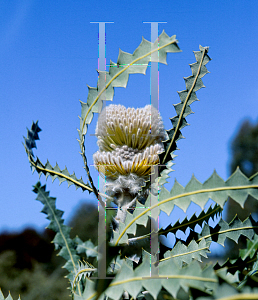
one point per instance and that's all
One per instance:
(49, 53)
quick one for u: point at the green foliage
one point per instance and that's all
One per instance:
(135, 281)
(187, 97)
(47, 169)
(171, 272)
(237, 186)
(62, 239)
(194, 220)
(119, 73)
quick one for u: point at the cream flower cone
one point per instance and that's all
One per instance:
(129, 141)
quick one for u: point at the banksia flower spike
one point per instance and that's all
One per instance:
(129, 142)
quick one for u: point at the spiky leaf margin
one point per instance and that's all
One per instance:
(62, 240)
(119, 72)
(183, 109)
(232, 230)
(56, 173)
(194, 250)
(118, 76)
(239, 264)
(183, 254)
(191, 222)
(238, 187)
(87, 248)
(9, 297)
(84, 269)
(47, 169)
(226, 291)
(171, 277)
(32, 136)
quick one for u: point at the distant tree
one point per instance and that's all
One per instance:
(244, 154)
(84, 222)
(244, 150)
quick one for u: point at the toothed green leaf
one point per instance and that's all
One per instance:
(233, 230)
(238, 265)
(118, 74)
(192, 221)
(182, 197)
(185, 254)
(62, 239)
(56, 173)
(187, 97)
(86, 247)
(9, 297)
(32, 136)
(47, 169)
(83, 270)
(171, 277)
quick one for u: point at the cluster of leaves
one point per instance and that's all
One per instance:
(170, 273)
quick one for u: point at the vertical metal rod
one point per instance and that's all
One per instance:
(154, 100)
(102, 210)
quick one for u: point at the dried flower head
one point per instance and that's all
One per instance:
(129, 141)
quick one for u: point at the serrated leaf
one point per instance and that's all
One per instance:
(187, 97)
(32, 136)
(62, 239)
(191, 222)
(119, 73)
(171, 277)
(193, 83)
(86, 247)
(233, 230)
(214, 188)
(56, 173)
(83, 270)
(9, 297)
(237, 265)
(185, 254)
(47, 169)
